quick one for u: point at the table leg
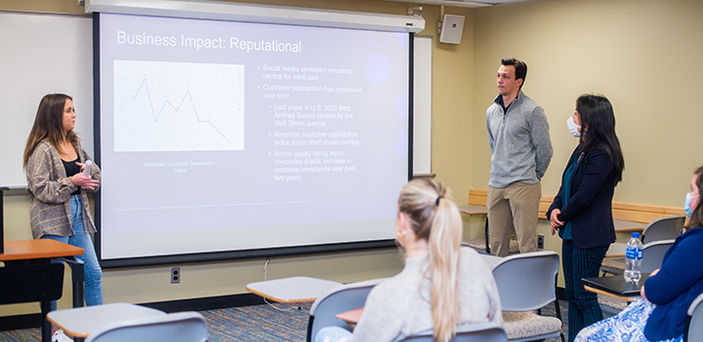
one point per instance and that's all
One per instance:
(77, 279)
(46, 325)
(2, 223)
(77, 285)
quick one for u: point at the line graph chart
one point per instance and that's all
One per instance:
(168, 106)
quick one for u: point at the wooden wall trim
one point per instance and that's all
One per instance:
(641, 213)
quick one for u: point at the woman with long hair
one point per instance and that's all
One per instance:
(54, 161)
(581, 211)
(442, 285)
(668, 292)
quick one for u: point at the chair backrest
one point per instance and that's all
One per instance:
(480, 332)
(694, 329)
(664, 228)
(176, 327)
(340, 299)
(20, 283)
(653, 254)
(527, 281)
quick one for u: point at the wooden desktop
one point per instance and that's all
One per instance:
(44, 251)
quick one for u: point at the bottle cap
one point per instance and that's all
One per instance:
(636, 235)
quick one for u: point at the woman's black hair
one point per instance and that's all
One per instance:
(598, 129)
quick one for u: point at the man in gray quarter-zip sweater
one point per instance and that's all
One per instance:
(518, 134)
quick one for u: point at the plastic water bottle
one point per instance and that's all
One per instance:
(633, 259)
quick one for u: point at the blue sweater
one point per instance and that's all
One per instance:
(673, 289)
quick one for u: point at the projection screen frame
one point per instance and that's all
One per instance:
(243, 253)
(270, 14)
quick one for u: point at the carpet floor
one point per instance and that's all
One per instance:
(257, 323)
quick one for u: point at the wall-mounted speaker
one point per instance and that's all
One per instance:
(451, 28)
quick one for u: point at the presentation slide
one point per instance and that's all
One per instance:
(220, 136)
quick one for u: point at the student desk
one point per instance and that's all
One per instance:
(37, 249)
(628, 299)
(622, 226)
(293, 289)
(617, 250)
(43, 251)
(350, 317)
(473, 210)
(82, 322)
(605, 286)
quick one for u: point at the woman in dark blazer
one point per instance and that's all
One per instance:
(582, 210)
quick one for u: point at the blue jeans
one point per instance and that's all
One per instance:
(93, 287)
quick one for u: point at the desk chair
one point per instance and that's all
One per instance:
(652, 256)
(480, 332)
(340, 299)
(527, 282)
(664, 228)
(176, 327)
(22, 282)
(694, 326)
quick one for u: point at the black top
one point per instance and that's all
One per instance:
(71, 169)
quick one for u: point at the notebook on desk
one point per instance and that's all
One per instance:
(616, 284)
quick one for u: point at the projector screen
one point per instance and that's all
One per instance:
(222, 139)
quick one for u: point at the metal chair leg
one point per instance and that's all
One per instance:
(488, 247)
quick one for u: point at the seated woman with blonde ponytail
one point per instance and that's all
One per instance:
(442, 285)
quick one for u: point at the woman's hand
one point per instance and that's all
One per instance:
(555, 221)
(82, 166)
(642, 294)
(79, 179)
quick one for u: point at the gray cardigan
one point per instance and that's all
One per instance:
(400, 306)
(519, 141)
(50, 190)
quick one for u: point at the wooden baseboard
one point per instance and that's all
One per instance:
(641, 213)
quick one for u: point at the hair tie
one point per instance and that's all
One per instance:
(436, 203)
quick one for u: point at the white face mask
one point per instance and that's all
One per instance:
(573, 127)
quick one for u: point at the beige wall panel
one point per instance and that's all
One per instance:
(636, 52)
(51, 6)
(452, 100)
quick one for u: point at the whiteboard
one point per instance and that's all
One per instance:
(422, 110)
(41, 54)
